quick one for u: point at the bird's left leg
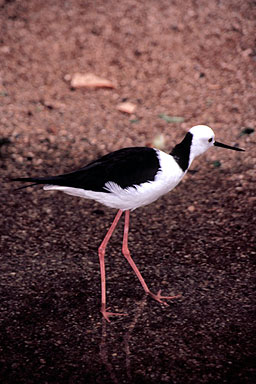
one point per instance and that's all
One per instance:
(127, 255)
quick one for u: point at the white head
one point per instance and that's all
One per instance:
(203, 139)
(198, 139)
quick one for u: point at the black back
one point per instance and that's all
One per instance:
(126, 167)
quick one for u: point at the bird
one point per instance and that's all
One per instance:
(127, 179)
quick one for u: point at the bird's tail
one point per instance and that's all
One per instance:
(52, 180)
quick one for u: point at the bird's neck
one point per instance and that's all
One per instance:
(182, 152)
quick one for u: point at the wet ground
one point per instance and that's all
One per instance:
(192, 60)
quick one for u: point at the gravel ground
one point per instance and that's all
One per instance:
(194, 60)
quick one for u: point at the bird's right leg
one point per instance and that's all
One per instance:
(158, 297)
(101, 251)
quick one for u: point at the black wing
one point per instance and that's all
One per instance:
(126, 167)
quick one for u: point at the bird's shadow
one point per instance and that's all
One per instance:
(106, 344)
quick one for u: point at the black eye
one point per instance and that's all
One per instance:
(210, 140)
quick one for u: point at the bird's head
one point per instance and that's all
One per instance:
(203, 138)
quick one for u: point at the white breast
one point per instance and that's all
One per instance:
(131, 198)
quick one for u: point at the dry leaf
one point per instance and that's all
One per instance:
(89, 80)
(126, 107)
(214, 86)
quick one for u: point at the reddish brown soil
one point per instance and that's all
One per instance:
(192, 59)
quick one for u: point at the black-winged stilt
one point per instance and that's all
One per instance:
(130, 178)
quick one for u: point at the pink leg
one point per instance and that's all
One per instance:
(127, 255)
(101, 251)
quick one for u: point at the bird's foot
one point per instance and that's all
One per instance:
(107, 314)
(160, 298)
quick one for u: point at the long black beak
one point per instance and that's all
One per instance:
(217, 144)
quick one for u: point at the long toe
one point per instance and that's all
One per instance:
(160, 298)
(107, 314)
